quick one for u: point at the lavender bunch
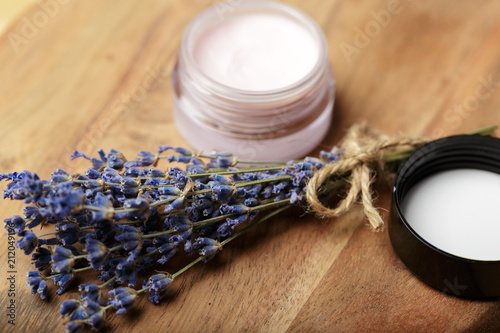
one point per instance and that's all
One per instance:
(124, 219)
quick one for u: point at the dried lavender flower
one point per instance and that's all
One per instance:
(131, 216)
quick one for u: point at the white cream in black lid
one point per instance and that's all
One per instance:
(459, 256)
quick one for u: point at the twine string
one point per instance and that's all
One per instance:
(362, 156)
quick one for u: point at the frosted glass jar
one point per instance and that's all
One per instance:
(253, 80)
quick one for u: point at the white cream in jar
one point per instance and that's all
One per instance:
(457, 212)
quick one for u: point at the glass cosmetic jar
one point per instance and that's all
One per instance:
(253, 80)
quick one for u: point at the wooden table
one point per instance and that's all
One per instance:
(74, 76)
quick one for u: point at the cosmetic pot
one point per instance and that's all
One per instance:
(253, 78)
(444, 221)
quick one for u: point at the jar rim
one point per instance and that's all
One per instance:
(256, 96)
(433, 265)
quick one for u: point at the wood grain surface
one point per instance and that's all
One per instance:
(10, 10)
(89, 74)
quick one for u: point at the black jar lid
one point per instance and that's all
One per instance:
(456, 275)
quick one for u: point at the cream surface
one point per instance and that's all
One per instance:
(256, 51)
(458, 211)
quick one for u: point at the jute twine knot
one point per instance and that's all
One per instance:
(362, 156)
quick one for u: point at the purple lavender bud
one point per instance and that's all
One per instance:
(64, 200)
(77, 154)
(130, 240)
(32, 213)
(156, 173)
(74, 327)
(41, 258)
(132, 172)
(62, 281)
(97, 253)
(174, 205)
(92, 314)
(251, 202)
(221, 192)
(96, 164)
(67, 232)
(302, 166)
(204, 205)
(169, 191)
(221, 160)
(221, 179)
(138, 203)
(254, 191)
(139, 206)
(110, 174)
(62, 260)
(316, 162)
(280, 197)
(332, 156)
(68, 307)
(42, 289)
(176, 239)
(207, 247)
(224, 229)
(196, 161)
(239, 209)
(28, 241)
(91, 292)
(159, 240)
(48, 241)
(66, 226)
(59, 171)
(236, 221)
(195, 169)
(295, 198)
(201, 204)
(178, 223)
(115, 159)
(59, 176)
(128, 182)
(277, 188)
(92, 187)
(178, 177)
(183, 151)
(92, 174)
(240, 192)
(104, 209)
(164, 148)
(102, 155)
(25, 186)
(302, 177)
(96, 320)
(158, 286)
(14, 224)
(267, 192)
(179, 159)
(37, 284)
(165, 247)
(145, 158)
(129, 186)
(166, 256)
(250, 176)
(125, 271)
(123, 299)
(188, 247)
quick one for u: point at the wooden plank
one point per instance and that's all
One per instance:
(97, 74)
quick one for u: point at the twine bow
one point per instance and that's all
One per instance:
(362, 156)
